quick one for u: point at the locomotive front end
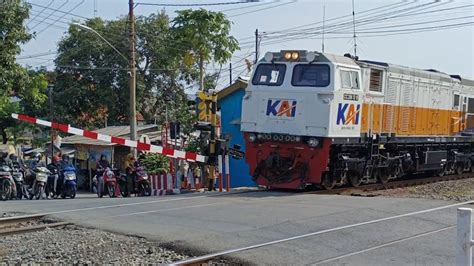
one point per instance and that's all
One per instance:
(289, 116)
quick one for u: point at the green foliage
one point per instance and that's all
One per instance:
(27, 86)
(206, 37)
(156, 163)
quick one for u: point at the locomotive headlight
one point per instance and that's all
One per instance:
(287, 55)
(313, 142)
(297, 138)
(260, 136)
(295, 55)
(252, 137)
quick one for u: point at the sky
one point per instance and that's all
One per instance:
(422, 34)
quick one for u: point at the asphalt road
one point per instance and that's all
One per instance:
(210, 223)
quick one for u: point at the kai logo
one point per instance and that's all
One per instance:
(281, 108)
(348, 114)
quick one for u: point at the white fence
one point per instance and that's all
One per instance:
(464, 242)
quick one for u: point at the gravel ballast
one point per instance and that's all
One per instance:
(455, 190)
(77, 245)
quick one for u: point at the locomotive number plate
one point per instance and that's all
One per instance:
(351, 97)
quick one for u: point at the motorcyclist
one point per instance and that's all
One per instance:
(66, 161)
(30, 176)
(53, 183)
(100, 167)
(130, 171)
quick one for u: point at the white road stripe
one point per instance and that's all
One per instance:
(161, 210)
(384, 245)
(226, 252)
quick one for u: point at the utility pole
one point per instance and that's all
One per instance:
(132, 81)
(256, 46)
(230, 73)
(50, 94)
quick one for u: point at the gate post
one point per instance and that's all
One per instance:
(464, 241)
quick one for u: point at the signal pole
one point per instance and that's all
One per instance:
(132, 80)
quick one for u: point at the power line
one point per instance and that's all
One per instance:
(196, 4)
(51, 13)
(41, 12)
(36, 55)
(60, 11)
(72, 9)
(245, 7)
(257, 10)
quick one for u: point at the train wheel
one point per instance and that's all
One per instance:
(327, 182)
(442, 172)
(382, 176)
(355, 179)
(459, 168)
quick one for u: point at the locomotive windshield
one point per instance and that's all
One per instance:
(269, 74)
(311, 75)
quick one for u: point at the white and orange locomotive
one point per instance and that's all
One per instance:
(313, 118)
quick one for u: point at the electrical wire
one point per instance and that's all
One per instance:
(60, 11)
(41, 12)
(194, 5)
(72, 9)
(51, 13)
(257, 10)
(245, 7)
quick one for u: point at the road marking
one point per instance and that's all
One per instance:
(111, 206)
(160, 210)
(384, 245)
(226, 252)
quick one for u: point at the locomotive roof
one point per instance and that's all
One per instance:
(338, 59)
(422, 73)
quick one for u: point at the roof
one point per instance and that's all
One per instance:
(239, 84)
(116, 131)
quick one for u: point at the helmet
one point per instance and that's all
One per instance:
(65, 158)
(56, 159)
(37, 156)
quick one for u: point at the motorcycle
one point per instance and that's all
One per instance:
(53, 186)
(39, 184)
(69, 185)
(140, 186)
(106, 184)
(7, 185)
(19, 178)
(142, 182)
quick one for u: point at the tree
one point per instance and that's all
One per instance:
(19, 88)
(206, 36)
(92, 79)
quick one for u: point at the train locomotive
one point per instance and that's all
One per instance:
(318, 119)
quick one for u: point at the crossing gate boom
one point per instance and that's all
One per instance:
(188, 156)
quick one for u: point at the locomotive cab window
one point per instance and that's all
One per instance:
(269, 74)
(375, 80)
(311, 75)
(456, 101)
(349, 79)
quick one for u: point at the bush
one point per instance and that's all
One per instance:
(156, 163)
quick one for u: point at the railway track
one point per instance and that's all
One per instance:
(393, 184)
(26, 223)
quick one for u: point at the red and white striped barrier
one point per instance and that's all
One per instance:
(162, 184)
(188, 156)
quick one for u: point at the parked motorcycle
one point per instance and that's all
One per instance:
(39, 184)
(69, 184)
(19, 178)
(107, 184)
(7, 185)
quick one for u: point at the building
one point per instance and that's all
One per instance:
(229, 102)
(88, 151)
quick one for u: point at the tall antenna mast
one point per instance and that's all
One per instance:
(95, 8)
(324, 20)
(353, 23)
